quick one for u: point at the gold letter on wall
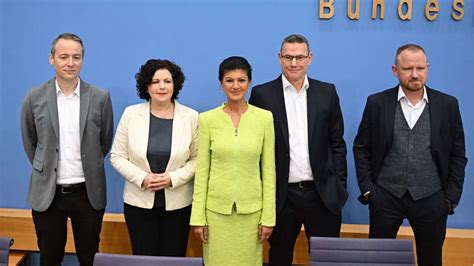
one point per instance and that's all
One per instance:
(353, 14)
(457, 6)
(329, 4)
(431, 9)
(407, 15)
(375, 4)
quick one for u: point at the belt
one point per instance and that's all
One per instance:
(302, 184)
(71, 188)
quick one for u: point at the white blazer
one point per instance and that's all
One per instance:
(128, 156)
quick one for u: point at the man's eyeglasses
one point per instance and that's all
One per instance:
(289, 58)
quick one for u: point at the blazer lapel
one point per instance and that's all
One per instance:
(84, 106)
(312, 105)
(435, 114)
(389, 114)
(142, 132)
(53, 106)
(177, 133)
(280, 109)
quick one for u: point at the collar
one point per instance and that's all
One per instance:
(76, 91)
(287, 84)
(402, 95)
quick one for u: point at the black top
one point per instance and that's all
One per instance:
(159, 150)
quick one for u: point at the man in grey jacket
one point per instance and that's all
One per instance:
(67, 129)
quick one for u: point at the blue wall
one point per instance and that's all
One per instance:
(121, 35)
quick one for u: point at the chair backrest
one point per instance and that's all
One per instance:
(327, 251)
(5, 243)
(104, 259)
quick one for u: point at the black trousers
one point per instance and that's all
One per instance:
(51, 227)
(302, 206)
(427, 217)
(158, 232)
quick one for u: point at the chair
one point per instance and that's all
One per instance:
(326, 251)
(103, 259)
(5, 244)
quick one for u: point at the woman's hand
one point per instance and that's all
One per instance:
(149, 182)
(264, 232)
(201, 233)
(155, 182)
(163, 180)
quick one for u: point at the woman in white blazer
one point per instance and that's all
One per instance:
(155, 151)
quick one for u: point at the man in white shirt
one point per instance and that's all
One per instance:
(309, 148)
(410, 157)
(67, 129)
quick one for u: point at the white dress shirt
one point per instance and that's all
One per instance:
(70, 165)
(297, 116)
(412, 112)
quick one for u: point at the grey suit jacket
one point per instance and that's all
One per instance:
(40, 133)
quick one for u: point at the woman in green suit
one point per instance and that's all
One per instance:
(233, 208)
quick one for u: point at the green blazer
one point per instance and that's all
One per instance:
(235, 165)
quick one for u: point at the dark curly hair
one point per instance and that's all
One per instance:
(147, 71)
(234, 63)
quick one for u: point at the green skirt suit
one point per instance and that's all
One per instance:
(234, 189)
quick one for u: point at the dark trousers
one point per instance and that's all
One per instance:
(51, 227)
(427, 218)
(302, 206)
(158, 232)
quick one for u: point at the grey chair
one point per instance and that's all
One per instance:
(330, 251)
(104, 259)
(5, 244)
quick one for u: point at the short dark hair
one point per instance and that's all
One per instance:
(147, 71)
(66, 36)
(411, 47)
(295, 38)
(234, 63)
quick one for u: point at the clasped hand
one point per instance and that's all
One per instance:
(155, 182)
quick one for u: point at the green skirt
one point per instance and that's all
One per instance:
(233, 239)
